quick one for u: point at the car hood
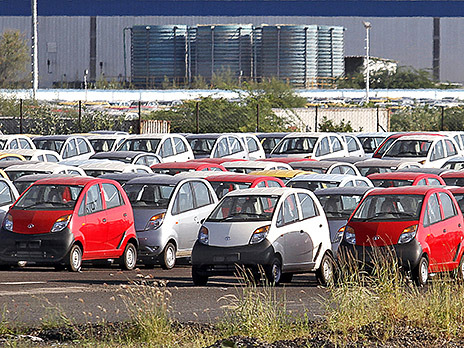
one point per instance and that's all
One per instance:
(379, 233)
(231, 234)
(35, 221)
(141, 217)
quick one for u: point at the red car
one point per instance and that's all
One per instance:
(222, 184)
(453, 178)
(63, 221)
(395, 179)
(383, 147)
(286, 159)
(421, 225)
(173, 168)
(216, 160)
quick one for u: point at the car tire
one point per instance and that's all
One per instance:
(421, 272)
(286, 277)
(274, 272)
(168, 256)
(75, 258)
(198, 278)
(129, 257)
(325, 274)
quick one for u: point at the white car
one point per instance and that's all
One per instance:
(429, 150)
(326, 167)
(8, 195)
(15, 141)
(68, 146)
(319, 181)
(283, 230)
(253, 145)
(246, 167)
(170, 147)
(106, 167)
(106, 142)
(353, 144)
(215, 145)
(37, 155)
(16, 171)
(311, 145)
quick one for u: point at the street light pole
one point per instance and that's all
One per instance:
(368, 26)
(35, 60)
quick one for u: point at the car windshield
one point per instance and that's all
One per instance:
(454, 181)
(201, 146)
(98, 172)
(245, 208)
(385, 146)
(296, 145)
(2, 144)
(16, 174)
(171, 171)
(339, 206)
(454, 165)
(313, 185)
(54, 145)
(146, 145)
(409, 148)
(391, 183)
(22, 186)
(149, 195)
(49, 197)
(370, 144)
(460, 199)
(365, 171)
(223, 187)
(100, 145)
(389, 207)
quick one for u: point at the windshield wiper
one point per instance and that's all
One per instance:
(33, 205)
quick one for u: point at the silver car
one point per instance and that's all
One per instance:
(282, 230)
(168, 211)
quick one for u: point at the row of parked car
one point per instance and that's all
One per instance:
(157, 213)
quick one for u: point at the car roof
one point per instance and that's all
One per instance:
(69, 180)
(268, 191)
(314, 164)
(106, 165)
(378, 162)
(418, 190)
(38, 166)
(249, 164)
(453, 174)
(424, 170)
(119, 154)
(309, 134)
(346, 190)
(123, 176)
(455, 159)
(401, 176)
(161, 179)
(279, 172)
(35, 177)
(185, 165)
(204, 136)
(326, 177)
(57, 137)
(420, 137)
(456, 190)
(236, 177)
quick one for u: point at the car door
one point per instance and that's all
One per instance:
(184, 214)
(94, 229)
(435, 230)
(322, 149)
(167, 151)
(118, 221)
(69, 149)
(437, 155)
(181, 149)
(452, 228)
(204, 202)
(237, 149)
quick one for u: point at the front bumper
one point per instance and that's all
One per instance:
(407, 255)
(209, 260)
(39, 249)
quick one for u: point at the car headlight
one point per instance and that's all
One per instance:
(155, 222)
(8, 223)
(203, 235)
(338, 237)
(350, 237)
(408, 234)
(61, 223)
(259, 234)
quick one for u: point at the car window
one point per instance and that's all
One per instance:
(324, 147)
(252, 144)
(288, 212)
(437, 151)
(184, 200)
(82, 146)
(51, 158)
(74, 172)
(337, 145)
(308, 209)
(166, 149)
(422, 182)
(14, 144)
(361, 183)
(449, 209)
(112, 196)
(347, 170)
(24, 144)
(6, 196)
(261, 184)
(202, 194)
(179, 145)
(432, 212)
(272, 183)
(41, 158)
(93, 200)
(349, 183)
(433, 181)
(235, 145)
(70, 149)
(222, 148)
(450, 148)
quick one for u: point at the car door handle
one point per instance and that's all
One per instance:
(459, 225)
(444, 230)
(104, 220)
(302, 231)
(125, 214)
(320, 226)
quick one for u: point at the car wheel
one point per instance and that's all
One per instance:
(286, 277)
(274, 272)
(168, 257)
(421, 272)
(198, 279)
(325, 273)
(75, 259)
(129, 258)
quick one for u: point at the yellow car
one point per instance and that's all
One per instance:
(11, 157)
(284, 175)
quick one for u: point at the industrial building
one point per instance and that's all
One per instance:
(94, 38)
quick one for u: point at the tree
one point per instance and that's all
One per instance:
(14, 56)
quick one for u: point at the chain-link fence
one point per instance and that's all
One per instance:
(219, 116)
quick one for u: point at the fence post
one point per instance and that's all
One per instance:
(257, 117)
(79, 125)
(315, 123)
(20, 116)
(442, 126)
(140, 117)
(197, 117)
(378, 119)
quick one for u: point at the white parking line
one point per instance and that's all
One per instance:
(42, 291)
(21, 283)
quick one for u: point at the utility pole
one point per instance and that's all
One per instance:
(368, 26)
(34, 53)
